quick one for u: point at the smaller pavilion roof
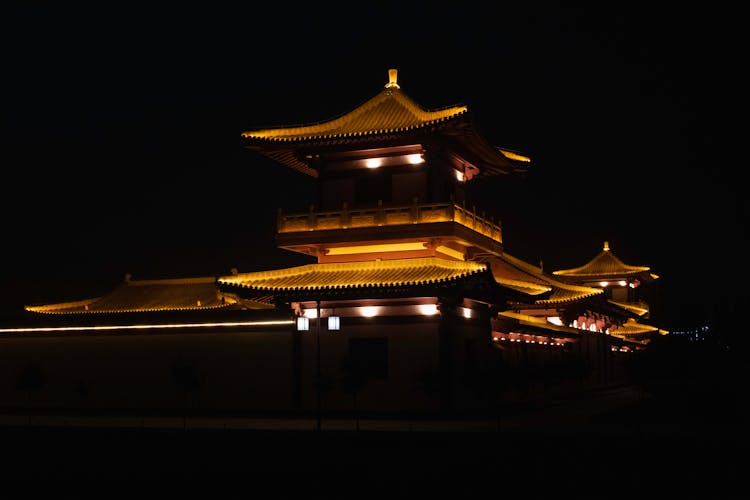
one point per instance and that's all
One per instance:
(606, 266)
(635, 331)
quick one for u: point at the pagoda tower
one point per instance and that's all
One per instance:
(391, 180)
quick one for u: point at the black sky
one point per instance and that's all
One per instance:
(121, 134)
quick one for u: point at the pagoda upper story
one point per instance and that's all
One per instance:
(391, 179)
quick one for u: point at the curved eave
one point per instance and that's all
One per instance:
(632, 308)
(490, 159)
(152, 296)
(63, 309)
(343, 286)
(512, 271)
(331, 138)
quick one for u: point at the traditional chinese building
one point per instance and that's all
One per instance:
(409, 304)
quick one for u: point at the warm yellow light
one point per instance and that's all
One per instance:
(459, 175)
(623, 283)
(428, 309)
(466, 312)
(604, 283)
(415, 159)
(310, 313)
(369, 311)
(373, 162)
(142, 327)
(555, 320)
(385, 247)
(449, 251)
(515, 156)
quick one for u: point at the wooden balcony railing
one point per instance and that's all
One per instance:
(416, 213)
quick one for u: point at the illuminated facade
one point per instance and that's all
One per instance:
(410, 305)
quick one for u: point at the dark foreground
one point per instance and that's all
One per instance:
(640, 446)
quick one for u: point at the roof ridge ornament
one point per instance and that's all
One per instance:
(392, 79)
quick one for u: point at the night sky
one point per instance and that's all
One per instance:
(120, 130)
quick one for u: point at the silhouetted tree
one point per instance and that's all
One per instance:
(29, 380)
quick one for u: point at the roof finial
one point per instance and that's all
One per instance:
(606, 246)
(392, 79)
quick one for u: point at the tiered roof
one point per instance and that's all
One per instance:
(368, 278)
(606, 265)
(389, 116)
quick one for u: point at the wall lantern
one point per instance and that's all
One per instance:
(303, 323)
(334, 323)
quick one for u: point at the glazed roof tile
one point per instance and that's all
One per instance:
(515, 273)
(389, 111)
(605, 266)
(385, 273)
(633, 330)
(389, 116)
(638, 309)
(152, 295)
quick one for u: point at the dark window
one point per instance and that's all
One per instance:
(373, 185)
(370, 357)
(407, 186)
(334, 192)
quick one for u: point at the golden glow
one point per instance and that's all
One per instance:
(428, 309)
(515, 156)
(364, 273)
(392, 216)
(449, 251)
(466, 312)
(623, 282)
(385, 247)
(369, 311)
(415, 159)
(604, 283)
(392, 79)
(459, 175)
(555, 320)
(373, 162)
(387, 112)
(143, 327)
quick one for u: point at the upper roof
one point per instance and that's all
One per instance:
(387, 116)
(606, 266)
(180, 294)
(389, 111)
